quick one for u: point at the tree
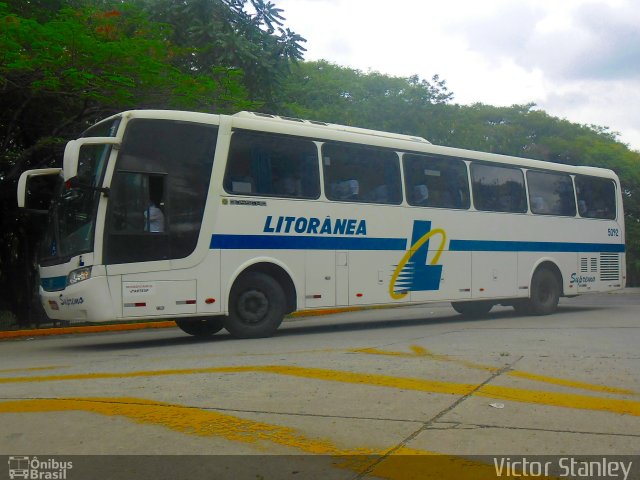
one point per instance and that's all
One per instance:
(250, 36)
(58, 75)
(328, 92)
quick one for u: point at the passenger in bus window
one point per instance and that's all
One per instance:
(154, 217)
(288, 185)
(420, 194)
(346, 189)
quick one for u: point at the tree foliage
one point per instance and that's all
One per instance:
(329, 92)
(66, 63)
(83, 64)
(248, 36)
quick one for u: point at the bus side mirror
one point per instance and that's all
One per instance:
(72, 153)
(70, 160)
(35, 189)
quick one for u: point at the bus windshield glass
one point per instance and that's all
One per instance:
(73, 212)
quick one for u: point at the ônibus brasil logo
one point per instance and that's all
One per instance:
(36, 469)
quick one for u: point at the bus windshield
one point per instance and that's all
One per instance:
(72, 216)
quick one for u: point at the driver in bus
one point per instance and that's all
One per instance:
(153, 217)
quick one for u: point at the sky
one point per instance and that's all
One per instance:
(575, 59)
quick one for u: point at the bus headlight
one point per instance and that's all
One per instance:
(79, 275)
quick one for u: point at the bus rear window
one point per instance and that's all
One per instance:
(596, 197)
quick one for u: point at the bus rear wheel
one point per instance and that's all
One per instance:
(474, 309)
(201, 327)
(257, 306)
(545, 293)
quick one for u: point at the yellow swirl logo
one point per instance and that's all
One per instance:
(413, 273)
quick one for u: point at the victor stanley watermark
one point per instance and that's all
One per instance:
(569, 467)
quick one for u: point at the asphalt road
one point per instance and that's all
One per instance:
(363, 391)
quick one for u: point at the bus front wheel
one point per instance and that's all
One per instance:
(200, 327)
(477, 308)
(257, 306)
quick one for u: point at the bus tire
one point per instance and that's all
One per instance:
(545, 292)
(478, 308)
(256, 307)
(522, 307)
(201, 327)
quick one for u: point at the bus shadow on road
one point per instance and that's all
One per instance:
(444, 318)
(336, 324)
(180, 339)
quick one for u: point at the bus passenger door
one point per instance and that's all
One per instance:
(320, 290)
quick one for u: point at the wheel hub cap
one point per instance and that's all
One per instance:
(253, 306)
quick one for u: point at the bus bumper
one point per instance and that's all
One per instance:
(87, 301)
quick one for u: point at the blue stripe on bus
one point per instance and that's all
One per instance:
(508, 246)
(53, 284)
(288, 242)
(295, 242)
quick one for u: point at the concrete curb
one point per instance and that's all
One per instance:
(41, 332)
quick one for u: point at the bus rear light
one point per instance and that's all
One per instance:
(185, 302)
(209, 301)
(359, 295)
(137, 304)
(314, 296)
(53, 305)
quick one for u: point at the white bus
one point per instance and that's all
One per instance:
(234, 221)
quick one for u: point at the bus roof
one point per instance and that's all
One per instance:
(408, 143)
(332, 126)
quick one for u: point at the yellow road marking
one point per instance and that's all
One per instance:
(403, 463)
(31, 369)
(188, 420)
(570, 383)
(424, 353)
(567, 400)
(418, 351)
(408, 464)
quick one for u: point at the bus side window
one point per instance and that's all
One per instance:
(551, 193)
(138, 203)
(596, 197)
(159, 190)
(272, 165)
(356, 173)
(436, 182)
(498, 189)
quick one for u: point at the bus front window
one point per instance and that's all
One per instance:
(72, 222)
